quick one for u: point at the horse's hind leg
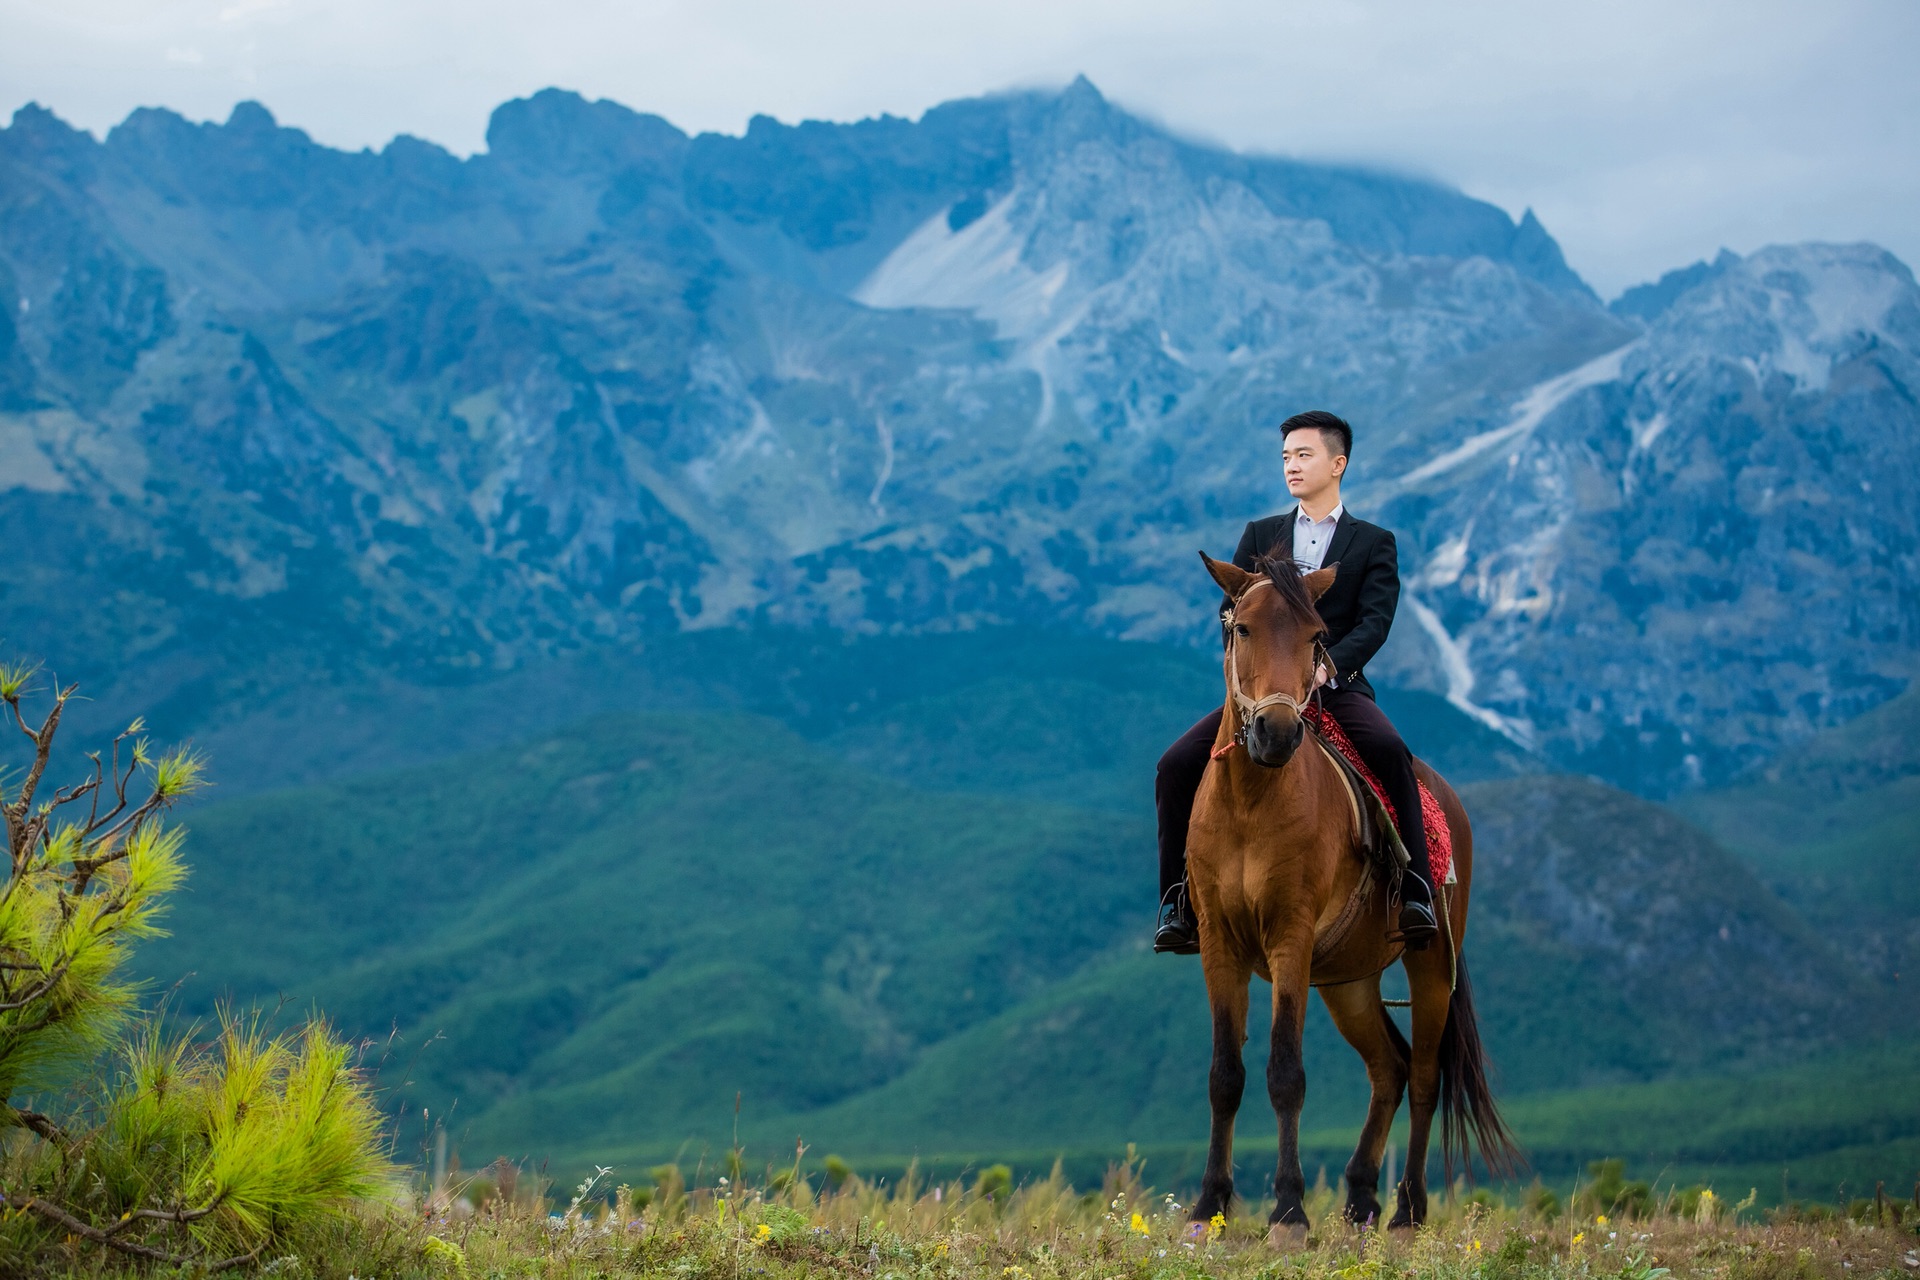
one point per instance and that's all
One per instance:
(1430, 982)
(1362, 1019)
(1226, 1081)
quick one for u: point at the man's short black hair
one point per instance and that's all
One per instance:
(1321, 420)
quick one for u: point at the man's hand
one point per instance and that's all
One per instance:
(1321, 674)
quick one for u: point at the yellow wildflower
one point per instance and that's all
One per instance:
(1578, 1236)
(1601, 1222)
(1215, 1225)
(1139, 1224)
(762, 1233)
(1476, 1246)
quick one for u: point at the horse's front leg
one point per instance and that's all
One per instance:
(1287, 1078)
(1227, 997)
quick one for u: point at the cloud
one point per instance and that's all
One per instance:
(1645, 133)
(247, 10)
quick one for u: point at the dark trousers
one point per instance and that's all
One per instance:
(1178, 777)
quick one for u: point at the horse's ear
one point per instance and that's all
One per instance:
(1319, 580)
(1232, 578)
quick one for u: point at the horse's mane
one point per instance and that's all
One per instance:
(1289, 584)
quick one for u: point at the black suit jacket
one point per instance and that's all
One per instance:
(1358, 607)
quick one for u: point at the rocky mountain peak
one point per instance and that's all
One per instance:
(1795, 311)
(1647, 301)
(38, 137)
(1538, 255)
(558, 131)
(251, 118)
(1077, 115)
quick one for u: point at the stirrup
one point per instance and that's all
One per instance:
(1179, 933)
(1420, 935)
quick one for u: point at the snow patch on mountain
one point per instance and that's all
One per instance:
(1531, 411)
(980, 268)
(1456, 665)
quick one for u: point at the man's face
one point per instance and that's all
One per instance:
(1311, 465)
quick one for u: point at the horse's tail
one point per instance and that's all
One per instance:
(1469, 1117)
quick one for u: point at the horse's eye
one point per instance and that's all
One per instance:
(1240, 629)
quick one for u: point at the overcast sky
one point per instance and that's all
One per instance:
(1645, 133)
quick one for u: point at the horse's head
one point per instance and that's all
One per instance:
(1271, 644)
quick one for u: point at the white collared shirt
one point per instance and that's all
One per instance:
(1311, 537)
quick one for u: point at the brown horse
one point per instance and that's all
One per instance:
(1282, 890)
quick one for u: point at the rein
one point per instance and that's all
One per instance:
(1245, 708)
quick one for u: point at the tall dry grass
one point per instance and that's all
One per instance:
(800, 1229)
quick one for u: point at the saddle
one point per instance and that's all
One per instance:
(1379, 826)
(1379, 843)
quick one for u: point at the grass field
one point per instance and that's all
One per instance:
(990, 1229)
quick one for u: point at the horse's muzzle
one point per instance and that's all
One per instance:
(1273, 737)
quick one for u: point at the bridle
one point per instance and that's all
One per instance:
(1245, 708)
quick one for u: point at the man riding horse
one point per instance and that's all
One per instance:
(1358, 612)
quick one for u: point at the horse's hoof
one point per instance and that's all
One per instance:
(1287, 1236)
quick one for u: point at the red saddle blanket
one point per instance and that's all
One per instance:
(1439, 834)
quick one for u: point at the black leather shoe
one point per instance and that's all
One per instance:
(1417, 925)
(1179, 932)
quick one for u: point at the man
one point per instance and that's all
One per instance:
(1358, 611)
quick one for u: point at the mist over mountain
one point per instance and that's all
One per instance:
(263, 404)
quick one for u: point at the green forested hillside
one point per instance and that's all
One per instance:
(645, 914)
(907, 918)
(1845, 1119)
(1073, 718)
(1833, 827)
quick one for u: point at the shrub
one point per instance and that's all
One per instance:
(189, 1152)
(1611, 1192)
(781, 1225)
(995, 1183)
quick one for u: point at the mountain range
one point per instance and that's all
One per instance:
(271, 412)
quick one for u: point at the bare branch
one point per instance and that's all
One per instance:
(178, 1215)
(132, 821)
(41, 988)
(42, 745)
(87, 1231)
(21, 720)
(68, 794)
(40, 1124)
(120, 781)
(99, 772)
